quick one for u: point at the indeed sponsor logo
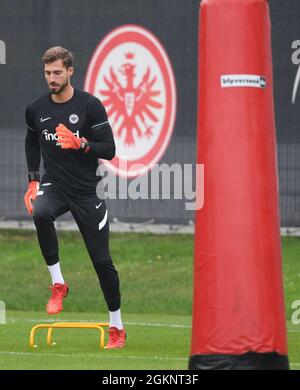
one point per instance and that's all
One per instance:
(54, 137)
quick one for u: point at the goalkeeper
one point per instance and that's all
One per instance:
(70, 129)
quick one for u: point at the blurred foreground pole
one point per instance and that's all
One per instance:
(238, 310)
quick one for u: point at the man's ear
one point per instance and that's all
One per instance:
(70, 70)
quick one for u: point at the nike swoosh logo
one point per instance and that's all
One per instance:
(45, 119)
(98, 205)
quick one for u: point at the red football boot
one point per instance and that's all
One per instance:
(55, 304)
(116, 338)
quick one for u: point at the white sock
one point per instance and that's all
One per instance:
(56, 274)
(115, 319)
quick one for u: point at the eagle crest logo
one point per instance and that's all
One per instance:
(132, 101)
(131, 74)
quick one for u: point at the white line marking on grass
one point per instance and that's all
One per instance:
(159, 325)
(150, 324)
(100, 355)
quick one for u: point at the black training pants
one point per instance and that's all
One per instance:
(90, 214)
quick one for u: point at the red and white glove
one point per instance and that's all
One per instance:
(66, 138)
(33, 188)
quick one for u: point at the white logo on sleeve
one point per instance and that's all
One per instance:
(73, 118)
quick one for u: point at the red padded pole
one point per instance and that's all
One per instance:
(238, 309)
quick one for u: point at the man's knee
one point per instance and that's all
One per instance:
(101, 262)
(42, 216)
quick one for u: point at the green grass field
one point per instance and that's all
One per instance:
(154, 342)
(156, 284)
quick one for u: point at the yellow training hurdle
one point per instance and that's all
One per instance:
(63, 325)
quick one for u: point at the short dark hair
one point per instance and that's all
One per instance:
(58, 53)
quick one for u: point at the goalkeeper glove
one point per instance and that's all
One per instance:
(68, 140)
(31, 194)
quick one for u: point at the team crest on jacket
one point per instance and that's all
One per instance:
(73, 118)
(131, 74)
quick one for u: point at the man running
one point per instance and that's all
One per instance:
(69, 128)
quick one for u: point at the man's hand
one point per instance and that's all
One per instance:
(30, 195)
(66, 138)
